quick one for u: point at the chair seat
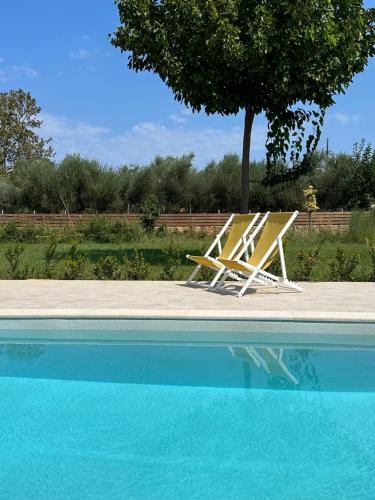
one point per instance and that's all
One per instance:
(235, 265)
(205, 261)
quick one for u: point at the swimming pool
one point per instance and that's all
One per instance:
(186, 409)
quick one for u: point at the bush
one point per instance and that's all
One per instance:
(108, 268)
(99, 229)
(15, 270)
(150, 212)
(161, 231)
(306, 261)
(74, 265)
(172, 261)
(128, 231)
(136, 267)
(50, 258)
(342, 268)
(10, 232)
(371, 249)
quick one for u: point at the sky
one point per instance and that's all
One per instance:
(92, 104)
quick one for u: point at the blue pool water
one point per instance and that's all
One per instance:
(180, 422)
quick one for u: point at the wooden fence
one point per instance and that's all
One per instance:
(334, 220)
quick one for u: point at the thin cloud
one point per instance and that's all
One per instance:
(177, 118)
(79, 54)
(14, 72)
(141, 143)
(345, 118)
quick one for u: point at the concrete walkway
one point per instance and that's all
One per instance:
(321, 301)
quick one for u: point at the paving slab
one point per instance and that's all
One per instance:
(171, 299)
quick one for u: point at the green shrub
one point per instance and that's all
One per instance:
(371, 249)
(50, 259)
(74, 265)
(306, 261)
(150, 212)
(172, 261)
(161, 231)
(136, 267)
(129, 231)
(99, 229)
(108, 268)
(15, 270)
(68, 233)
(30, 233)
(10, 232)
(343, 266)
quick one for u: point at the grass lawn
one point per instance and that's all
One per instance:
(154, 253)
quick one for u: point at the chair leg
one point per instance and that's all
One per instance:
(216, 278)
(193, 274)
(223, 278)
(247, 284)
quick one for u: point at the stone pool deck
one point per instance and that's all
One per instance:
(159, 299)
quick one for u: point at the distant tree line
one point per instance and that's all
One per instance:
(76, 184)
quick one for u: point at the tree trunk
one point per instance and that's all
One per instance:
(245, 167)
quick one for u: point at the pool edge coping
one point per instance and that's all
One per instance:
(334, 316)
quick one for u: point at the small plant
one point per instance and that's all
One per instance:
(371, 249)
(150, 212)
(136, 268)
(74, 264)
(50, 258)
(11, 232)
(172, 261)
(161, 231)
(310, 204)
(306, 261)
(15, 270)
(99, 229)
(128, 231)
(108, 268)
(342, 268)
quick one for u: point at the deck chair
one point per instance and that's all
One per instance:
(270, 244)
(241, 225)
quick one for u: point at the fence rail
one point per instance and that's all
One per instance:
(199, 220)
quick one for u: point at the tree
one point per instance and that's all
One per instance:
(18, 122)
(85, 185)
(267, 56)
(36, 181)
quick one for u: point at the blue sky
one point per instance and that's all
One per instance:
(93, 105)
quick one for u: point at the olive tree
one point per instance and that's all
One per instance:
(285, 58)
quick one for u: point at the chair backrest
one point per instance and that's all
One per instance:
(239, 225)
(272, 229)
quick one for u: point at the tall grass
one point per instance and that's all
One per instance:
(362, 227)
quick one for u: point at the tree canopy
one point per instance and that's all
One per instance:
(279, 57)
(18, 124)
(76, 184)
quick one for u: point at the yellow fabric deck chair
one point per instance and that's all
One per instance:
(241, 225)
(270, 244)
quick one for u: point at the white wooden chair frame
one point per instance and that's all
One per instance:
(217, 242)
(256, 274)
